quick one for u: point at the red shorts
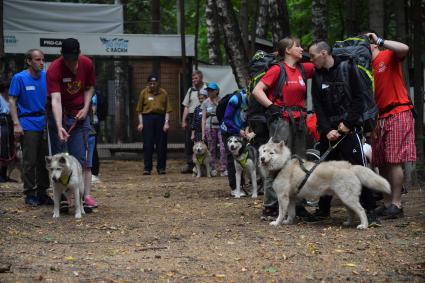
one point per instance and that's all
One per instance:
(393, 140)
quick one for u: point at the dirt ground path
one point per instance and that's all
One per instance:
(175, 228)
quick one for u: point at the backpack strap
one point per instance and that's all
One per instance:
(280, 82)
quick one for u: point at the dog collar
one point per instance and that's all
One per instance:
(64, 180)
(201, 158)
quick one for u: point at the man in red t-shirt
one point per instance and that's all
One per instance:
(393, 141)
(70, 85)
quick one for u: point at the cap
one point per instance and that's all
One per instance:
(152, 78)
(203, 92)
(212, 86)
(70, 48)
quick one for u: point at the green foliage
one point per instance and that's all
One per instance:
(300, 20)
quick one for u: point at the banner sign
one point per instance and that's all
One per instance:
(101, 44)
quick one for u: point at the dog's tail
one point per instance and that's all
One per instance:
(370, 179)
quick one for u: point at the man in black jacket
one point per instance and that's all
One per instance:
(337, 98)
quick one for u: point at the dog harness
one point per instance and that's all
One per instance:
(64, 180)
(317, 162)
(201, 158)
(242, 162)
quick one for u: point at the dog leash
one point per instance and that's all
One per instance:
(323, 157)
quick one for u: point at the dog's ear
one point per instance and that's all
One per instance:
(281, 145)
(48, 160)
(270, 140)
(62, 160)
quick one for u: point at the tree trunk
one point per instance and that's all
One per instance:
(418, 75)
(279, 19)
(213, 35)
(196, 33)
(376, 16)
(183, 44)
(233, 41)
(319, 17)
(243, 22)
(2, 53)
(252, 33)
(261, 23)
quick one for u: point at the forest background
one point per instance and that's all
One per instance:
(226, 30)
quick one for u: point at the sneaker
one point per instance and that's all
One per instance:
(373, 219)
(393, 212)
(64, 204)
(64, 207)
(186, 169)
(95, 179)
(90, 202)
(146, 172)
(32, 201)
(233, 193)
(45, 199)
(161, 172)
(223, 173)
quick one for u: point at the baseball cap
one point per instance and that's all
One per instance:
(153, 77)
(212, 86)
(203, 92)
(70, 48)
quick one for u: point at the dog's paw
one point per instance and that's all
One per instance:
(254, 196)
(362, 227)
(288, 221)
(274, 223)
(55, 215)
(78, 216)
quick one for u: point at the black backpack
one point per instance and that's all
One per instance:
(222, 104)
(258, 66)
(358, 50)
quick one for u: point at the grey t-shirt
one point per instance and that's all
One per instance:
(209, 108)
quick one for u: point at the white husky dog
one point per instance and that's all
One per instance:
(66, 174)
(245, 158)
(338, 178)
(201, 157)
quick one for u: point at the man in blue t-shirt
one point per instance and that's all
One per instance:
(27, 98)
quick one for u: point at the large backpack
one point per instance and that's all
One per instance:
(258, 66)
(222, 104)
(358, 50)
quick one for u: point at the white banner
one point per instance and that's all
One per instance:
(101, 44)
(222, 75)
(38, 16)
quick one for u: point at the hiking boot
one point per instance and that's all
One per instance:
(90, 202)
(146, 172)
(373, 219)
(270, 213)
(393, 212)
(45, 199)
(186, 169)
(379, 211)
(32, 201)
(161, 172)
(321, 214)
